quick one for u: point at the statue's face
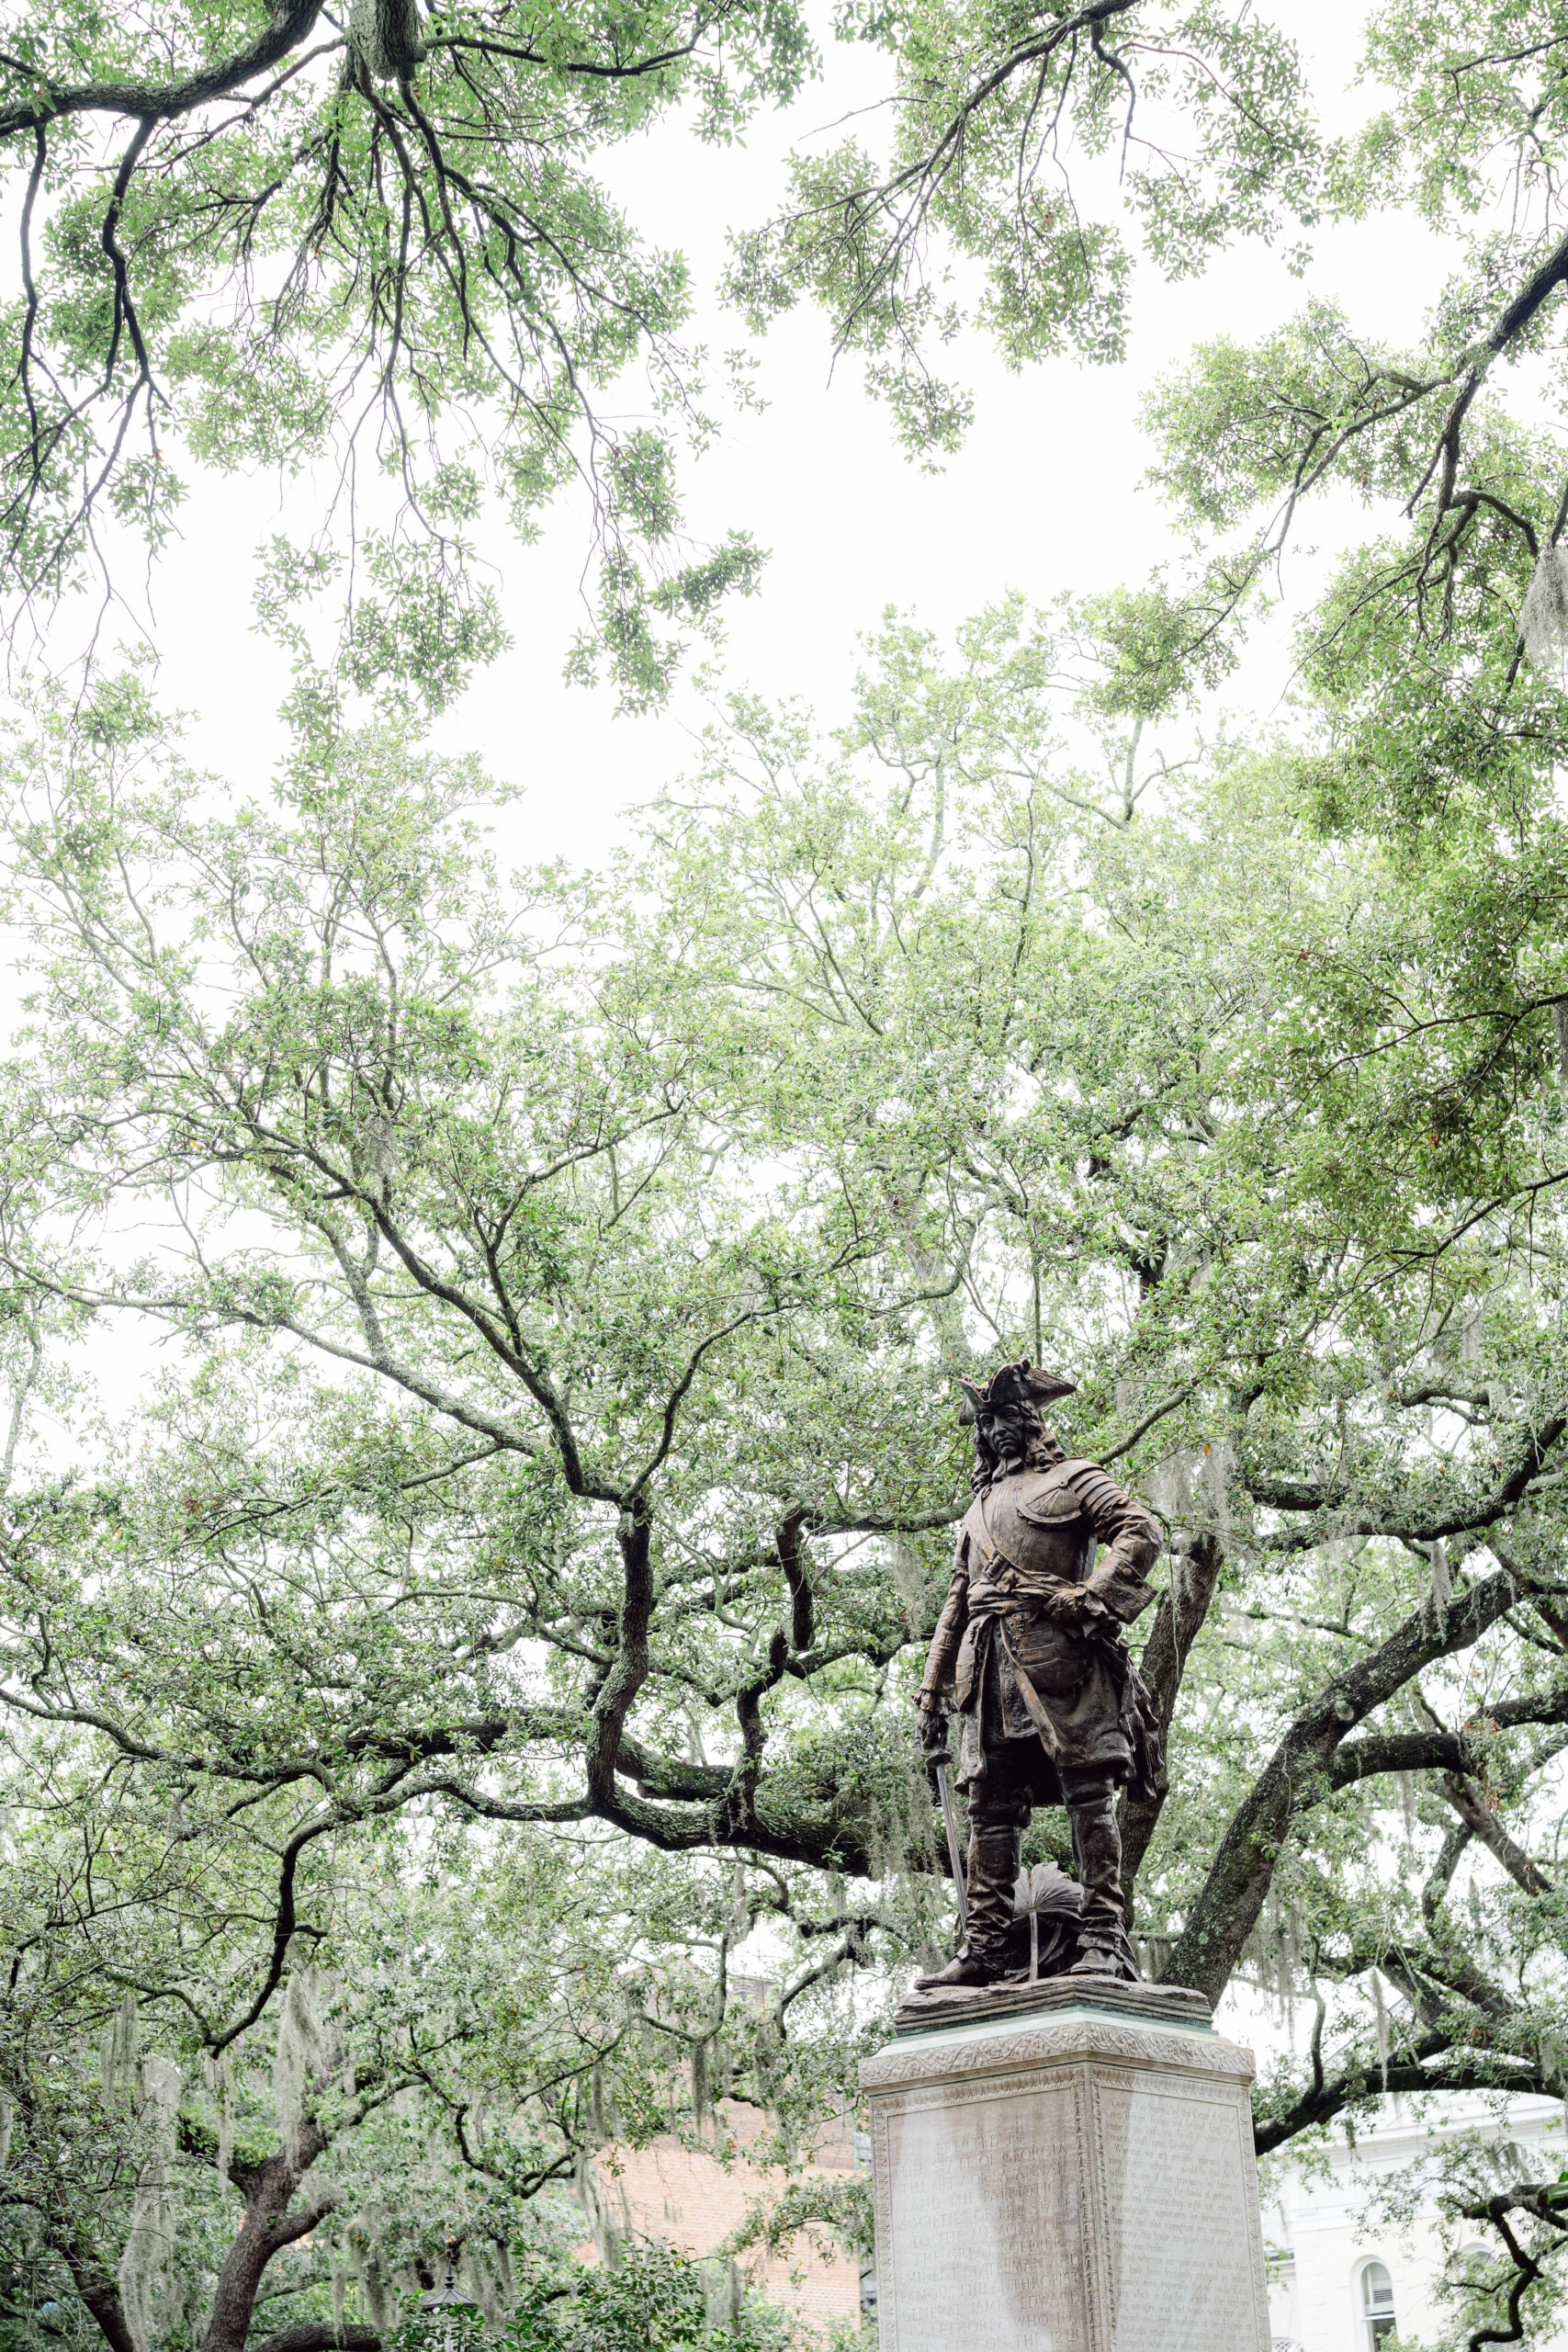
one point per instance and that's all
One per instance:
(1002, 1438)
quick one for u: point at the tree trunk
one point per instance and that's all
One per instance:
(1178, 1619)
(100, 2293)
(267, 2228)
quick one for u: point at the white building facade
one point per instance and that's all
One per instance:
(1343, 2278)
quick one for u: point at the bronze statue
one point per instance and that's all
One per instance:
(1030, 1644)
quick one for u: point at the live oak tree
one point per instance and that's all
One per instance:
(567, 1283)
(562, 1280)
(615, 1240)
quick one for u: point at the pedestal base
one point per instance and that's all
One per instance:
(1077, 2181)
(983, 2004)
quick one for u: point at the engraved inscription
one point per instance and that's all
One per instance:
(1180, 2223)
(984, 2223)
(1029, 2203)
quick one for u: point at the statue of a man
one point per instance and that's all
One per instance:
(1030, 1644)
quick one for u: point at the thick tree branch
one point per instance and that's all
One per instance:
(1297, 1774)
(1421, 1525)
(1434, 2064)
(286, 1921)
(1178, 1618)
(1482, 1824)
(152, 102)
(1436, 1750)
(99, 2288)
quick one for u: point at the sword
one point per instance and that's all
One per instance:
(954, 1852)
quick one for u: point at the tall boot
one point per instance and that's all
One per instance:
(995, 1855)
(1104, 1947)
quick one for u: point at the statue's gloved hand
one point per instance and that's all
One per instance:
(932, 1727)
(1072, 1605)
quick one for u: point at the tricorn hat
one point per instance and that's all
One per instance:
(1015, 1387)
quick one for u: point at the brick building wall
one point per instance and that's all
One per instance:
(693, 2199)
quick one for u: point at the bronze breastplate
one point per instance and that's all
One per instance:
(1027, 1532)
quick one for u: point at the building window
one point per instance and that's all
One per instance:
(1376, 2304)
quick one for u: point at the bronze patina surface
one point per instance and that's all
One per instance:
(1051, 1565)
(963, 2003)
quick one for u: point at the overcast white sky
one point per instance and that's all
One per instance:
(1045, 496)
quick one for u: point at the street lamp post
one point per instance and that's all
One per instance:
(447, 2302)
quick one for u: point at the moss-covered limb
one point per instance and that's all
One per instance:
(99, 2288)
(1434, 2063)
(1180, 1616)
(166, 100)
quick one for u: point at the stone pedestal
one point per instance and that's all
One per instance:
(1075, 2177)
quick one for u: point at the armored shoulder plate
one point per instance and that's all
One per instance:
(1046, 1497)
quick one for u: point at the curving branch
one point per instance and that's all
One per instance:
(1485, 1827)
(95, 2284)
(153, 102)
(1435, 2063)
(1465, 1515)
(1297, 1775)
(1544, 2200)
(286, 1921)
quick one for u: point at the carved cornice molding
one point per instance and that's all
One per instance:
(1056, 2042)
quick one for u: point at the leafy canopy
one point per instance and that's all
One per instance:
(568, 1278)
(377, 246)
(373, 245)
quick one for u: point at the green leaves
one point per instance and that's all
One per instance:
(540, 1500)
(284, 259)
(988, 102)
